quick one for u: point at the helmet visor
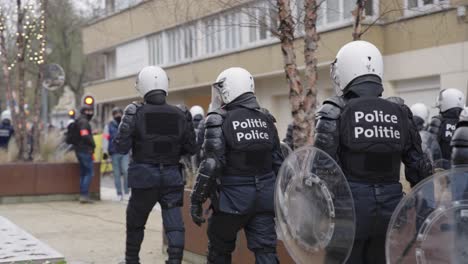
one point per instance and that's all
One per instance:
(216, 90)
(334, 77)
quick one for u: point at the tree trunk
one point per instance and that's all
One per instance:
(359, 16)
(286, 35)
(37, 127)
(311, 39)
(22, 133)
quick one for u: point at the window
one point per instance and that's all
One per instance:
(333, 10)
(174, 45)
(110, 64)
(213, 35)
(414, 7)
(330, 13)
(263, 19)
(190, 42)
(232, 30)
(156, 49)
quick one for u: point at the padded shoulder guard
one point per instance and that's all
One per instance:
(338, 101)
(182, 107)
(214, 120)
(186, 111)
(268, 114)
(396, 100)
(329, 111)
(132, 108)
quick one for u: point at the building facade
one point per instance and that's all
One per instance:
(424, 43)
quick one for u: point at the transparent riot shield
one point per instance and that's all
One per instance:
(430, 225)
(431, 148)
(314, 208)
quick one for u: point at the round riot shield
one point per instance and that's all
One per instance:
(430, 225)
(314, 208)
(431, 148)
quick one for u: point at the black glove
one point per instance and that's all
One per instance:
(105, 156)
(196, 211)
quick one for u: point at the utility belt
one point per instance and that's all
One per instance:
(372, 167)
(358, 188)
(243, 180)
(248, 163)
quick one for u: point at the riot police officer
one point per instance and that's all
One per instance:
(242, 156)
(369, 137)
(420, 115)
(198, 116)
(459, 141)
(6, 129)
(450, 103)
(158, 135)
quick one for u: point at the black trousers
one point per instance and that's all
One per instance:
(374, 206)
(139, 207)
(259, 230)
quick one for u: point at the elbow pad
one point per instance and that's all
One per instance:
(207, 175)
(327, 127)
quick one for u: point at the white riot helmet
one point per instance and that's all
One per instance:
(230, 84)
(6, 115)
(355, 59)
(420, 110)
(197, 110)
(151, 78)
(450, 98)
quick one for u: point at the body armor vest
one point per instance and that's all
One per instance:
(249, 138)
(446, 130)
(159, 134)
(372, 139)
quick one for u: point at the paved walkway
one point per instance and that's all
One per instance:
(86, 234)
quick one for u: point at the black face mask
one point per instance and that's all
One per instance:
(118, 119)
(89, 116)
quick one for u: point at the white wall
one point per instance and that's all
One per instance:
(131, 57)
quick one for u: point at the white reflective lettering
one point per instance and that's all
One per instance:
(235, 124)
(358, 131)
(358, 116)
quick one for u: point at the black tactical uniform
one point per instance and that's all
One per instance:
(242, 156)
(158, 135)
(369, 137)
(443, 126)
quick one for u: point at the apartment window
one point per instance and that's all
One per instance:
(174, 45)
(190, 42)
(156, 49)
(253, 31)
(214, 30)
(263, 18)
(110, 64)
(232, 30)
(414, 7)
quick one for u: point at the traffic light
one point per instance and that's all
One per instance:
(71, 113)
(88, 100)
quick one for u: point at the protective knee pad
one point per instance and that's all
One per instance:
(266, 256)
(175, 255)
(215, 257)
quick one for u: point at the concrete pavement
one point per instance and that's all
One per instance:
(86, 234)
